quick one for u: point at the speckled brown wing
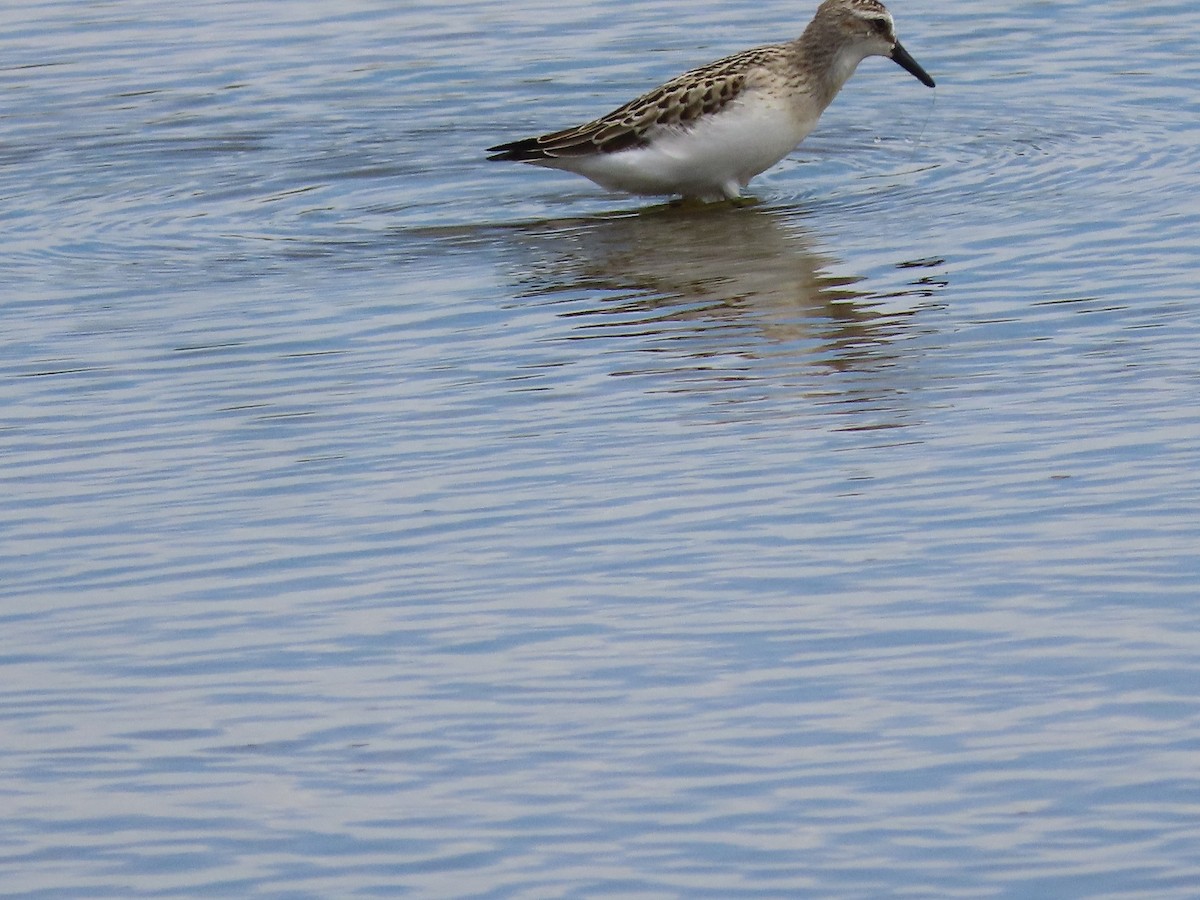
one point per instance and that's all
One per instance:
(681, 101)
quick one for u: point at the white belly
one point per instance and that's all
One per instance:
(714, 158)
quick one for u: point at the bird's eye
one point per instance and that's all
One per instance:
(882, 28)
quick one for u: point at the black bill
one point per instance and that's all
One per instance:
(901, 57)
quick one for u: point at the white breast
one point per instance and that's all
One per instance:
(713, 158)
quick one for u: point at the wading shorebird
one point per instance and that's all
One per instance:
(707, 132)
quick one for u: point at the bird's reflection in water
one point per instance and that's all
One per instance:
(735, 301)
(730, 295)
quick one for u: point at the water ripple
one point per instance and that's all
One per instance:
(380, 521)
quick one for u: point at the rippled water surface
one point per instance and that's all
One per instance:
(382, 522)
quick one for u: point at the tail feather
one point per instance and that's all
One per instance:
(524, 150)
(572, 142)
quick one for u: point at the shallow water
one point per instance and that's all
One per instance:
(381, 522)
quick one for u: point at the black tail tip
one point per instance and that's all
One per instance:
(516, 151)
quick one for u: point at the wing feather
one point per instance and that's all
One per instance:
(679, 103)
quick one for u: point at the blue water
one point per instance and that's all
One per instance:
(380, 522)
